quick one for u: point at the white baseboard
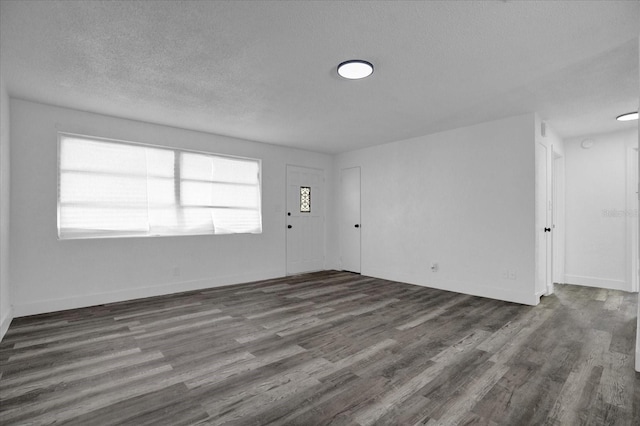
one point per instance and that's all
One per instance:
(85, 300)
(597, 282)
(5, 322)
(473, 289)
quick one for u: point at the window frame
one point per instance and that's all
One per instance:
(177, 180)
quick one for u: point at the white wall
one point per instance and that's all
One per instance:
(6, 312)
(49, 275)
(598, 218)
(463, 198)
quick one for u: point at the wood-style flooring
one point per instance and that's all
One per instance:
(326, 348)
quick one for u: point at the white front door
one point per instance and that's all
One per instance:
(350, 219)
(305, 220)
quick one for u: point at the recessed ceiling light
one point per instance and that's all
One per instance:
(628, 116)
(355, 69)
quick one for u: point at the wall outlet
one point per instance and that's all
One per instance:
(434, 266)
(513, 275)
(505, 274)
(176, 271)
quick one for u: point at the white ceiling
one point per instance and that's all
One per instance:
(265, 70)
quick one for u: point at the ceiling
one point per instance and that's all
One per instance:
(266, 70)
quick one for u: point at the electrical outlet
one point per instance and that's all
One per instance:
(434, 266)
(505, 274)
(176, 271)
(513, 275)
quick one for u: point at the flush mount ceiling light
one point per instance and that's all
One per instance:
(355, 69)
(587, 143)
(628, 116)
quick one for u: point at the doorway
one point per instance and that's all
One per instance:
(305, 219)
(350, 226)
(544, 220)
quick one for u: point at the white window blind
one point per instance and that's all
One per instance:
(116, 189)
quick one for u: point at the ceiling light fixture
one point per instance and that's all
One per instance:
(628, 116)
(587, 143)
(355, 69)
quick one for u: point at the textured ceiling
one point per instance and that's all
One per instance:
(266, 70)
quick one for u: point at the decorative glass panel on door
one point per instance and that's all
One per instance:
(305, 199)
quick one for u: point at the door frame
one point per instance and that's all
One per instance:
(631, 218)
(551, 207)
(543, 221)
(341, 217)
(558, 221)
(286, 207)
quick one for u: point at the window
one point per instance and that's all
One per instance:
(115, 189)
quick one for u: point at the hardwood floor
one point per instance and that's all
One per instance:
(328, 347)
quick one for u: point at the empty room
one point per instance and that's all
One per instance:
(319, 212)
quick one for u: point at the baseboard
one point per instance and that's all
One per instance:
(472, 289)
(597, 282)
(5, 322)
(83, 301)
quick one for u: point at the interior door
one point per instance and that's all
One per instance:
(543, 220)
(305, 220)
(350, 219)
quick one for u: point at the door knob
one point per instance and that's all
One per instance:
(547, 229)
(357, 225)
(289, 226)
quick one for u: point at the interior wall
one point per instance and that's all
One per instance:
(49, 275)
(6, 311)
(462, 198)
(598, 218)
